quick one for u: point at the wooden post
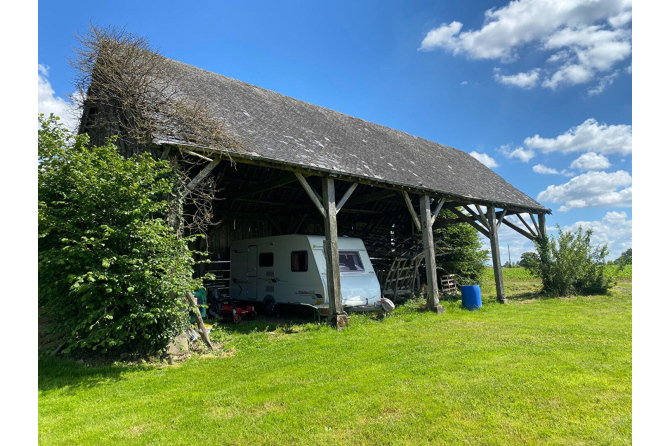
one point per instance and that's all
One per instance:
(332, 254)
(429, 255)
(495, 254)
(542, 220)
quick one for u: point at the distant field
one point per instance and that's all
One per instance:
(535, 371)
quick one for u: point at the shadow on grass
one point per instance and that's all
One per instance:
(286, 315)
(56, 373)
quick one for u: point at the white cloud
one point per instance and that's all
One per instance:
(603, 83)
(526, 80)
(590, 136)
(586, 36)
(592, 189)
(614, 229)
(521, 153)
(484, 159)
(48, 102)
(590, 161)
(464, 83)
(544, 170)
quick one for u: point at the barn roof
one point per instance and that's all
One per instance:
(283, 130)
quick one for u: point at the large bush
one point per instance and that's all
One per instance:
(464, 256)
(112, 273)
(569, 265)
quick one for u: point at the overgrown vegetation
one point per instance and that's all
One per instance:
(569, 265)
(465, 256)
(112, 272)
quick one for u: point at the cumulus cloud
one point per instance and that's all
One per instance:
(590, 136)
(590, 161)
(484, 159)
(592, 189)
(48, 102)
(615, 230)
(585, 37)
(522, 154)
(526, 80)
(544, 170)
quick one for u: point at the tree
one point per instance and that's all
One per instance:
(112, 272)
(528, 258)
(626, 258)
(464, 256)
(570, 265)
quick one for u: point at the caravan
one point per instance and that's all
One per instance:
(291, 269)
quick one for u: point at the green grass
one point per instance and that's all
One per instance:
(536, 371)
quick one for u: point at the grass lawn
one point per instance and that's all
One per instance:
(536, 371)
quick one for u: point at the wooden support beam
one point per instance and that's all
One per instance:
(332, 255)
(346, 196)
(268, 185)
(437, 210)
(203, 173)
(537, 228)
(511, 225)
(412, 212)
(526, 225)
(429, 255)
(471, 221)
(500, 216)
(495, 255)
(313, 196)
(478, 216)
(199, 155)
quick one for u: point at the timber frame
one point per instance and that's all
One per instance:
(484, 217)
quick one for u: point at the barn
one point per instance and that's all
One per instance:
(299, 168)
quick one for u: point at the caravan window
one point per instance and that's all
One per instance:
(350, 261)
(299, 261)
(266, 259)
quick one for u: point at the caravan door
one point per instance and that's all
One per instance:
(252, 271)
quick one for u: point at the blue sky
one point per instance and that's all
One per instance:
(540, 91)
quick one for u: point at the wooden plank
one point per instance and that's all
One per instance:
(346, 196)
(331, 248)
(203, 173)
(437, 210)
(495, 256)
(429, 254)
(415, 218)
(312, 195)
(518, 229)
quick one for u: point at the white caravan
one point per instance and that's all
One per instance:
(291, 269)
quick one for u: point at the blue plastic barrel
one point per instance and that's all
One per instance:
(471, 297)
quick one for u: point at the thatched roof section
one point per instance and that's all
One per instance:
(276, 128)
